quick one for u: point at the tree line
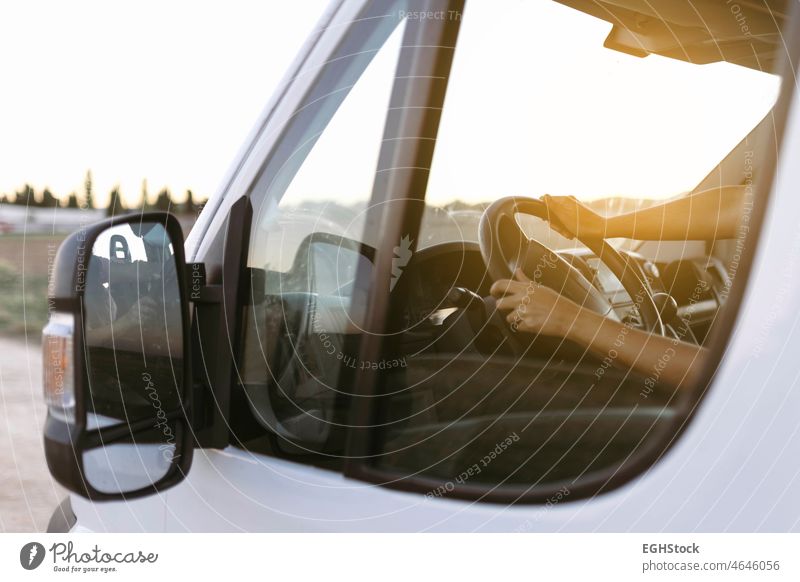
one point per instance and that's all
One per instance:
(28, 197)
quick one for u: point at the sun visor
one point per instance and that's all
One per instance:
(697, 31)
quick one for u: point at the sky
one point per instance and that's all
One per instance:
(168, 91)
(536, 105)
(575, 118)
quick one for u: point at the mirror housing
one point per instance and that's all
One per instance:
(95, 444)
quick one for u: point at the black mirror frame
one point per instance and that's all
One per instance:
(65, 442)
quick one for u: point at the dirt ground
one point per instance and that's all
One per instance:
(28, 495)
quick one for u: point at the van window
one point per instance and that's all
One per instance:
(302, 327)
(480, 405)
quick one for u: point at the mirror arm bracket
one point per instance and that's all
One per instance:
(199, 289)
(215, 330)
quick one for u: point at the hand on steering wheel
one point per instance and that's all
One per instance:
(534, 308)
(506, 248)
(570, 218)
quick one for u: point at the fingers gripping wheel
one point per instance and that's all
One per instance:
(505, 247)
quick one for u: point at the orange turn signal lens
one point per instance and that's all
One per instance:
(59, 371)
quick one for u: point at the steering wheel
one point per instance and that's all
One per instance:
(505, 247)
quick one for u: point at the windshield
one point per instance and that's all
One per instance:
(545, 109)
(549, 110)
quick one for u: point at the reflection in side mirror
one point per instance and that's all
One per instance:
(129, 433)
(128, 466)
(134, 346)
(333, 266)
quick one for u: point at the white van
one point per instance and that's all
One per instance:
(323, 352)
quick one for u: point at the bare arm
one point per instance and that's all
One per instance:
(707, 215)
(534, 308)
(675, 362)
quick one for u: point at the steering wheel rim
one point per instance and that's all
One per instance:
(505, 247)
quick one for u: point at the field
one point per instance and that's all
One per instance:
(24, 265)
(28, 494)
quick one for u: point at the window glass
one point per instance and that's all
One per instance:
(556, 396)
(576, 118)
(301, 329)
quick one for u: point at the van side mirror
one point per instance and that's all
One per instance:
(117, 359)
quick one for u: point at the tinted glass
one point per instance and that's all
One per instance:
(134, 346)
(479, 401)
(302, 328)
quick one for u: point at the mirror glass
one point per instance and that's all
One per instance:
(133, 339)
(137, 461)
(340, 302)
(334, 267)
